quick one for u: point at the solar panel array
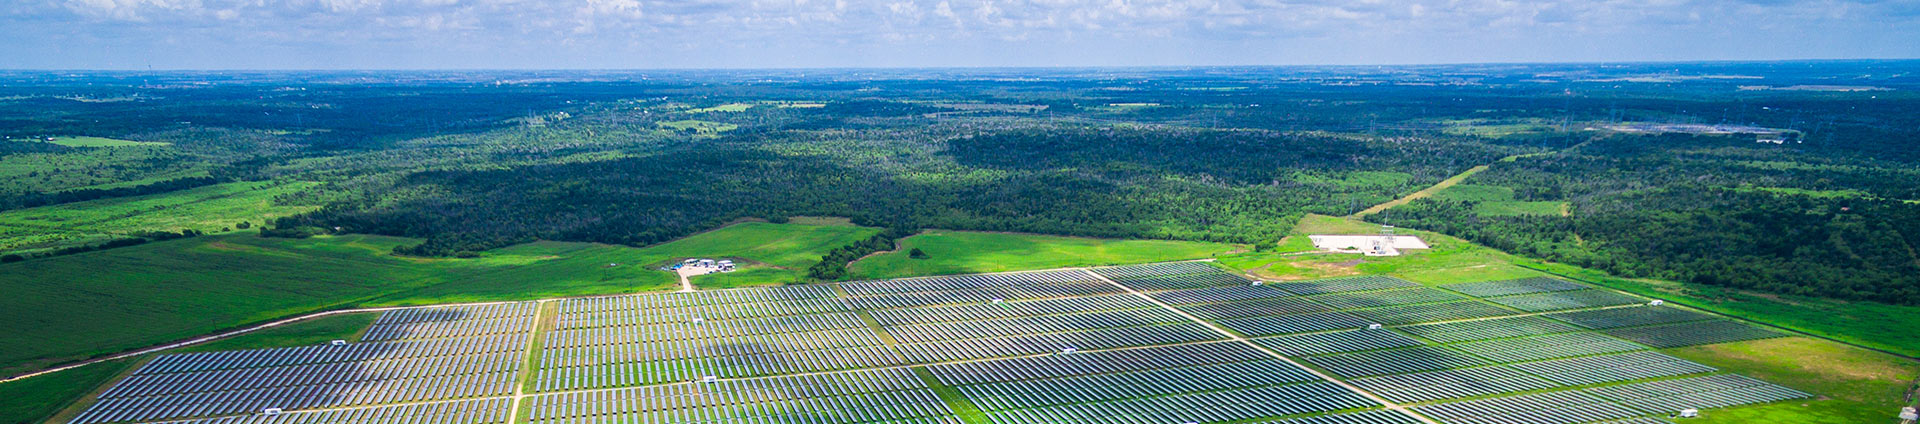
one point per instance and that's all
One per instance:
(477, 411)
(218, 383)
(1629, 317)
(1613, 402)
(1170, 276)
(452, 321)
(860, 396)
(1035, 347)
(1694, 333)
(1528, 285)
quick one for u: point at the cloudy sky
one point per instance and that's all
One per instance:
(625, 34)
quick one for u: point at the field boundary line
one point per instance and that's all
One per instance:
(1276, 355)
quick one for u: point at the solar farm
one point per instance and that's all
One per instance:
(1167, 343)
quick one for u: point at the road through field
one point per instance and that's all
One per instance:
(1436, 187)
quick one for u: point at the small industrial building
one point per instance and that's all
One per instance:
(1368, 244)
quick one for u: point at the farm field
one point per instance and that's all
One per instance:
(1077, 345)
(965, 252)
(236, 279)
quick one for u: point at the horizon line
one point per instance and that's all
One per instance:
(981, 67)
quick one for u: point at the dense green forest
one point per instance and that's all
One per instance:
(1709, 209)
(1795, 177)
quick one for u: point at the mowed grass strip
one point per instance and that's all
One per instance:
(965, 252)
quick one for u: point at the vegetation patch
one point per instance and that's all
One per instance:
(312, 332)
(729, 107)
(962, 252)
(1854, 385)
(84, 141)
(207, 209)
(695, 126)
(37, 399)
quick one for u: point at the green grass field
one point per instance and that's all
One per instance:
(144, 295)
(1497, 201)
(207, 209)
(729, 107)
(961, 252)
(33, 400)
(84, 141)
(311, 332)
(1853, 385)
(1296, 259)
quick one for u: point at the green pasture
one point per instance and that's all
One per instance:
(962, 252)
(1851, 385)
(207, 209)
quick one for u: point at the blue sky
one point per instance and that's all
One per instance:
(624, 34)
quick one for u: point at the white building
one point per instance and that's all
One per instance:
(1369, 244)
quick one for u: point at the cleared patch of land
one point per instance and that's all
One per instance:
(1857, 386)
(698, 126)
(962, 252)
(729, 107)
(207, 209)
(1296, 259)
(84, 141)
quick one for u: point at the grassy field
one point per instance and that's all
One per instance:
(1497, 201)
(1296, 259)
(148, 294)
(33, 400)
(311, 332)
(729, 107)
(961, 252)
(1853, 385)
(770, 253)
(1497, 128)
(83, 141)
(207, 209)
